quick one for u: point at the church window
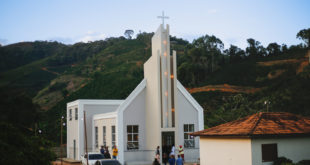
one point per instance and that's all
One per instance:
(76, 114)
(70, 114)
(113, 136)
(96, 137)
(104, 135)
(189, 141)
(132, 137)
(269, 152)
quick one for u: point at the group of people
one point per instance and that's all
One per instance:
(171, 158)
(105, 152)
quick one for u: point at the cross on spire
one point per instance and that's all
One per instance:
(163, 17)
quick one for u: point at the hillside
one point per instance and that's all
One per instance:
(229, 84)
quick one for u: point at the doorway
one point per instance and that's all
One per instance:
(167, 142)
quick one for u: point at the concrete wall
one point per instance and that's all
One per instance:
(108, 123)
(152, 94)
(225, 151)
(187, 114)
(295, 149)
(75, 128)
(72, 133)
(92, 110)
(134, 114)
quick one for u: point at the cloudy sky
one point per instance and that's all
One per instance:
(233, 21)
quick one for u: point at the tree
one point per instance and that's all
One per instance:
(211, 49)
(304, 35)
(273, 49)
(255, 49)
(235, 54)
(128, 33)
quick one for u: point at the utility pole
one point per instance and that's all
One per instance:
(267, 104)
(61, 120)
(85, 134)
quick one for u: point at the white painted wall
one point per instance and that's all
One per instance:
(108, 123)
(187, 114)
(296, 149)
(152, 94)
(75, 129)
(135, 115)
(72, 133)
(92, 110)
(216, 151)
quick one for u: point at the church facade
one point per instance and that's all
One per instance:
(158, 112)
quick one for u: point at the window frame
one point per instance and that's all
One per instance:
(104, 135)
(96, 137)
(188, 139)
(76, 114)
(269, 152)
(133, 144)
(113, 137)
(70, 114)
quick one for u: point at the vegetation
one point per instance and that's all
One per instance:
(34, 91)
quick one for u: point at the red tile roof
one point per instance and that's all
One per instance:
(261, 125)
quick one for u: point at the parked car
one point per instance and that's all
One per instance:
(107, 162)
(92, 158)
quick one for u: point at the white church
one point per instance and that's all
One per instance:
(158, 112)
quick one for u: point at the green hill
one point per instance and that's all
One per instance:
(112, 68)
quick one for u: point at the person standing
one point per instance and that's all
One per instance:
(171, 160)
(172, 151)
(157, 153)
(179, 160)
(181, 152)
(156, 162)
(115, 152)
(102, 150)
(107, 153)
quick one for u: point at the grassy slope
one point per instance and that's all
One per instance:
(115, 70)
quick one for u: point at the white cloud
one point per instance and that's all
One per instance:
(91, 36)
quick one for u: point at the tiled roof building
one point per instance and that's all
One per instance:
(257, 139)
(262, 124)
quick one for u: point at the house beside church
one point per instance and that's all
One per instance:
(258, 139)
(158, 112)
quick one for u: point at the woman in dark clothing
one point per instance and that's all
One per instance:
(107, 153)
(156, 162)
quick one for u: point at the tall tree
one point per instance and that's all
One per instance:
(304, 35)
(128, 33)
(273, 49)
(255, 49)
(235, 54)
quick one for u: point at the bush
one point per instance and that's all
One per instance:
(304, 162)
(282, 161)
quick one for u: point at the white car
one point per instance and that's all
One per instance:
(92, 158)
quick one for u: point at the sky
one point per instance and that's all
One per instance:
(233, 21)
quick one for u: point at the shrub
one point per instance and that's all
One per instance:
(282, 161)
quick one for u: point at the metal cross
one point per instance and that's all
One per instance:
(163, 17)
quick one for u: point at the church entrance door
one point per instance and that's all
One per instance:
(167, 142)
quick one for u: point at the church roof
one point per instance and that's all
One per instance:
(263, 124)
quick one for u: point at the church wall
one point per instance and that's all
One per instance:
(187, 114)
(92, 110)
(108, 123)
(134, 114)
(72, 134)
(152, 101)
